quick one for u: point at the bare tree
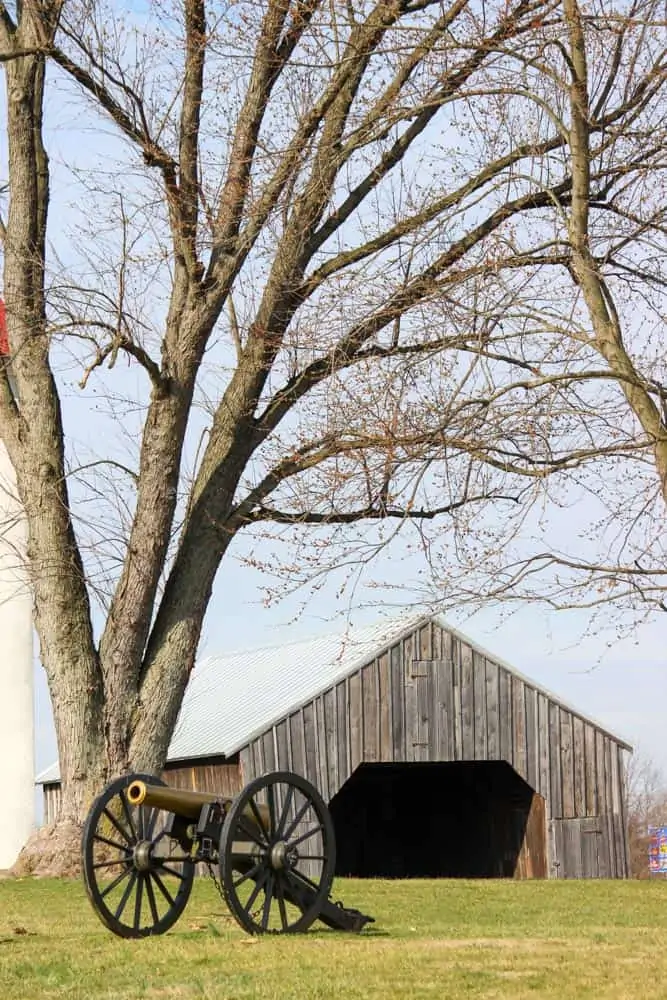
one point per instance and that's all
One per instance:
(647, 807)
(394, 246)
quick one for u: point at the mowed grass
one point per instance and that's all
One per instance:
(432, 939)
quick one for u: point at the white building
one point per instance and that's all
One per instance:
(16, 669)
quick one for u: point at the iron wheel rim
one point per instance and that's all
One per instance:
(298, 819)
(126, 872)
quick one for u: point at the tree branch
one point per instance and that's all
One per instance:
(124, 343)
(419, 288)
(370, 513)
(597, 295)
(452, 83)
(271, 55)
(154, 154)
(188, 156)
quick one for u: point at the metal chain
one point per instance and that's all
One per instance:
(216, 881)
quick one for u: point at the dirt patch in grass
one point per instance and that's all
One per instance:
(503, 944)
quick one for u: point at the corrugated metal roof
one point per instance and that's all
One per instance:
(49, 775)
(231, 699)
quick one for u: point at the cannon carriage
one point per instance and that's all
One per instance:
(271, 851)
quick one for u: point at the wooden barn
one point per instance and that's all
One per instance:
(436, 758)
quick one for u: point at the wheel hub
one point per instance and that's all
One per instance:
(281, 856)
(141, 855)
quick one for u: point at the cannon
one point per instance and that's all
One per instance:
(273, 848)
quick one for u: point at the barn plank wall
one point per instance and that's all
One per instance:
(433, 697)
(220, 778)
(51, 802)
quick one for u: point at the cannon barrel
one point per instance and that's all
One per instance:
(174, 800)
(184, 803)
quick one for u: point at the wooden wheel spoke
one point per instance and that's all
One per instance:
(112, 843)
(128, 812)
(258, 818)
(121, 829)
(280, 893)
(297, 819)
(126, 895)
(137, 902)
(170, 871)
(249, 874)
(268, 896)
(285, 812)
(112, 864)
(248, 830)
(116, 881)
(312, 857)
(162, 887)
(271, 802)
(150, 892)
(300, 877)
(259, 885)
(141, 823)
(150, 826)
(305, 836)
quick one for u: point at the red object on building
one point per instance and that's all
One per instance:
(4, 342)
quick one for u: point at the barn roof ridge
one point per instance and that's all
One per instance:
(414, 619)
(200, 737)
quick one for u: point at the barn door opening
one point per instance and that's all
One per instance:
(475, 819)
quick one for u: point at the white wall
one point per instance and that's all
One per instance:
(16, 676)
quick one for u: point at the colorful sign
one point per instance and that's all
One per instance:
(4, 343)
(657, 850)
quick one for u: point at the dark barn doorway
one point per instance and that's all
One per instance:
(476, 819)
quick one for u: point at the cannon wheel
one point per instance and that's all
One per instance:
(277, 854)
(137, 879)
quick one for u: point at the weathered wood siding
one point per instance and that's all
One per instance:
(581, 849)
(51, 800)
(212, 775)
(533, 861)
(434, 697)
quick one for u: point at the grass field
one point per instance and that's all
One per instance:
(439, 939)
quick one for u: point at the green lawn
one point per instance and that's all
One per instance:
(439, 939)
